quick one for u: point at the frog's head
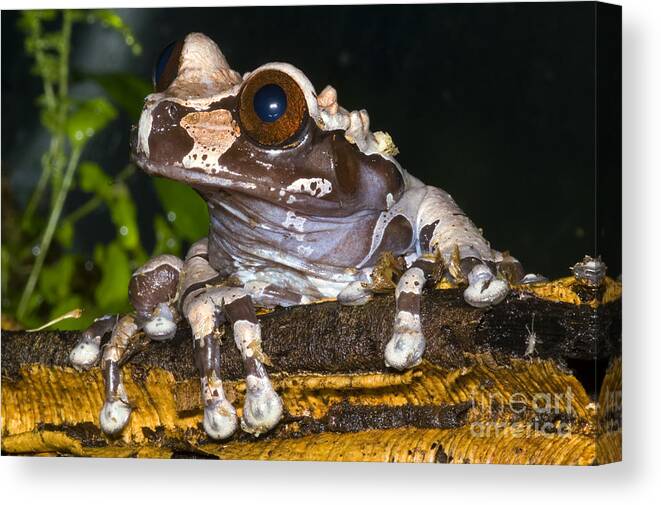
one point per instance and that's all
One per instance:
(267, 134)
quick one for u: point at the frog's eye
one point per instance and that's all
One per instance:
(272, 107)
(167, 66)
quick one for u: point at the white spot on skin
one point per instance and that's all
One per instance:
(158, 261)
(291, 199)
(268, 166)
(314, 186)
(144, 128)
(412, 281)
(304, 250)
(389, 200)
(200, 317)
(214, 133)
(294, 221)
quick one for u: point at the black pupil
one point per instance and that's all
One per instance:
(162, 62)
(270, 102)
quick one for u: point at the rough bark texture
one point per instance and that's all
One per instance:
(340, 399)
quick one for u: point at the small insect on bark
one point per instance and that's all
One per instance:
(532, 339)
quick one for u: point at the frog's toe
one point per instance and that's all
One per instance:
(160, 328)
(162, 325)
(114, 416)
(354, 294)
(262, 408)
(407, 345)
(220, 420)
(484, 289)
(85, 354)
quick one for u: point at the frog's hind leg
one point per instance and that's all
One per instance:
(444, 230)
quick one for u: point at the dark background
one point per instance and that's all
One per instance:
(495, 103)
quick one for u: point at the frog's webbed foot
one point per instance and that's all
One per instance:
(488, 282)
(152, 292)
(484, 287)
(88, 349)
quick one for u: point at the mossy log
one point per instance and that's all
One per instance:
(482, 394)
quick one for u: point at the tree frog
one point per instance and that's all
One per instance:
(303, 200)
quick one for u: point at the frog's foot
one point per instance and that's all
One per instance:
(162, 325)
(153, 294)
(219, 415)
(114, 416)
(405, 348)
(354, 293)
(262, 408)
(86, 352)
(484, 288)
(407, 345)
(116, 409)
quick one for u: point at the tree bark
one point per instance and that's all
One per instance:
(327, 362)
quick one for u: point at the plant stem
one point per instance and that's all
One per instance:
(35, 198)
(50, 230)
(63, 102)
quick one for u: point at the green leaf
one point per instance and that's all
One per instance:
(64, 234)
(55, 279)
(110, 19)
(126, 90)
(90, 117)
(93, 179)
(184, 209)
(122, 211)
(111, 294)
(30, 20)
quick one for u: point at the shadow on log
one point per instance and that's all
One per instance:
(483, 393)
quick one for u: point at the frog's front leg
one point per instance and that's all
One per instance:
(152, 292)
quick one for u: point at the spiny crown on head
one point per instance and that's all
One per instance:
(195, 67)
